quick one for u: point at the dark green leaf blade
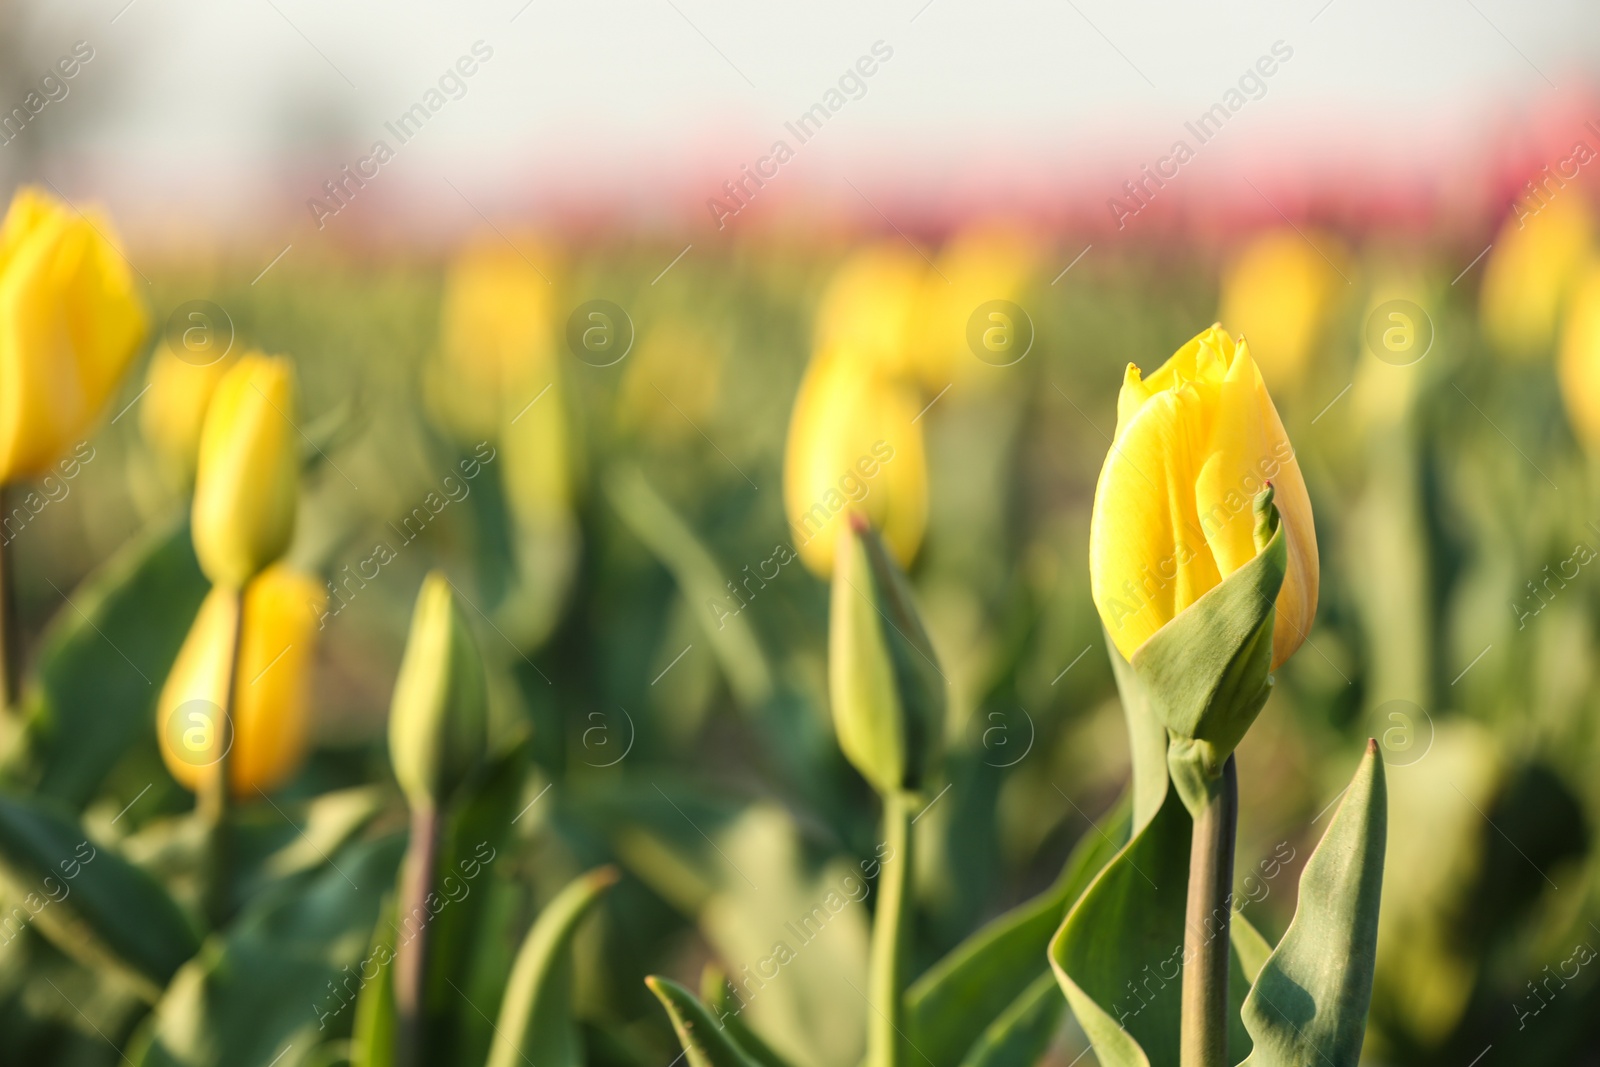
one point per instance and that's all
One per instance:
(1309, 1004)
(720, 999)
(706, 1044)
(281, 974)
(373, 1033)
(949, 1006)
(1023, 1031)
(1119, 954)
(536, 1024)
(102, 663)
(93, 904)
(468, 956)
(673, 542)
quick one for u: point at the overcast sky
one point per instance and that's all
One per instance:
(242, 107)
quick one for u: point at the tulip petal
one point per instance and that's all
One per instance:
(854, 444)
(69, 324)
(1249, 448)
(248, 471)
(1147, 560)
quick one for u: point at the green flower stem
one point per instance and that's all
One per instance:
(412, 951)
(216, 798)
(1204, 1036)
(891, 934)
(10, 633)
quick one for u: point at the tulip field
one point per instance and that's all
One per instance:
(858, 645)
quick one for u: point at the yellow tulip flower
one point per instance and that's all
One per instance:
(248, 472)
(174, 410)
(853, 446)
(987, 262)
(1529, 273)
(69, 324)
(1173, 515)
(1278, 292)
(270, 722)
(870, 306)
(1579, 365)
(497, 340)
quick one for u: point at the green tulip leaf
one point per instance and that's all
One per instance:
(1309, 1004)
(102, 664)
(669, 538)
(1119, 954)
(718, 995)
(706, 1044)
(1147, 744)
(372, 1037)
(749, 877)
(89, 901)
(1022, 1033)
(536, 1024)
(949, 1007)
(1250, 952)
(469, 953)
(1206, 674)
(285, 975)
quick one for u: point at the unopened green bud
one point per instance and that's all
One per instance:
(437, 719)
(883, 678)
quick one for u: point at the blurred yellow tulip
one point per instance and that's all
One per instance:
(673, 380)
(853, 446)
(1530, 271)
(987, 262)
(870, 307)
(174, 409)
(1173, 515)
(496, 344)
(69, 324)
(270, 723)
(1579, 365)
(538, 473)
(1278, 292)
(248, 471)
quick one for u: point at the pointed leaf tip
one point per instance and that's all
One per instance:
(705, 1043)
(536, 1021)
(1309, 1004)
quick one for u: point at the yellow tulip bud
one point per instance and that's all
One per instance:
(853, 444)
(174, 409)
(870, 307)
(496, 340)
(69, 324)
(248, 472)
(438, 719)
(1580, 360)
(1195, 443)
(1529, 273)
(986, 263)
(1278, 292)
(270, 721)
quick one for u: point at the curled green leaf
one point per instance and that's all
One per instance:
(536, 1024)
